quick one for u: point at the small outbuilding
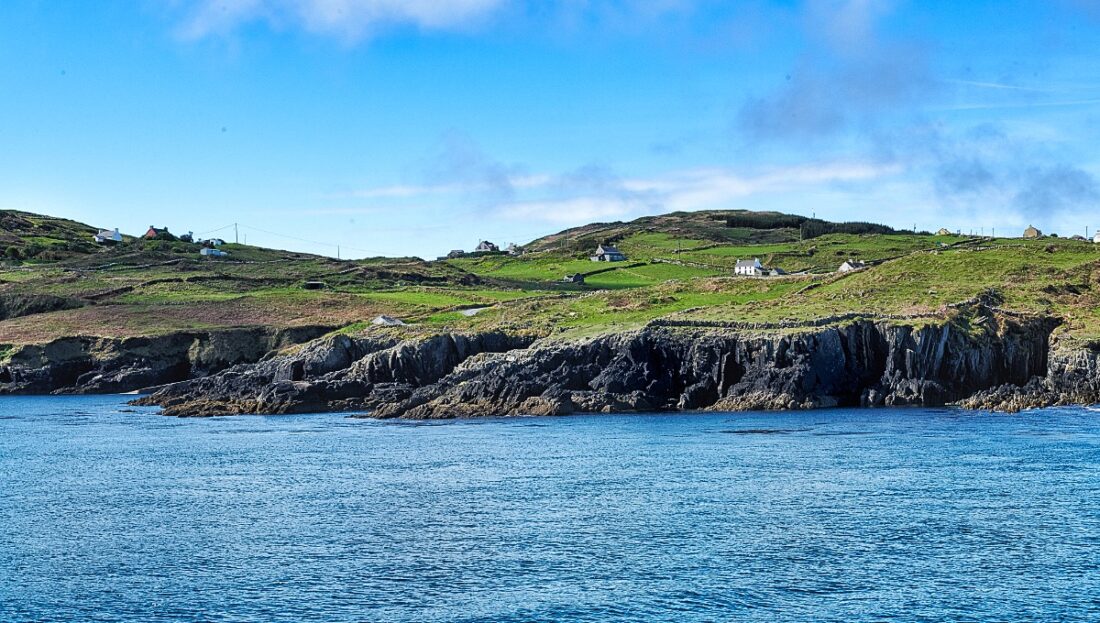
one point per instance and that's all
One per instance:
(1096, 237)
(851, 265)
(1032, 232)
(387, 321)
(314, 285)
(943, 232)
(607, 253)
(577, 278)
(211, 252)
(514, 250)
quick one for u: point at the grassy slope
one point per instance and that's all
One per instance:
(679, 266)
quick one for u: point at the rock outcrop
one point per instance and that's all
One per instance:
(860, 363)
(77, 365)
(1072, 378)
(335, 373)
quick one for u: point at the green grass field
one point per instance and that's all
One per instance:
(679, 266)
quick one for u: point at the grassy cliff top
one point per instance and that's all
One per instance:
(679, 266)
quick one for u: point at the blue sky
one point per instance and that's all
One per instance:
(398, 127)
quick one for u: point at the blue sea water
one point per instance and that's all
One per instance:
(109, 513)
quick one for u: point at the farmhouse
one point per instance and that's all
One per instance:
(851, 265)
(108, 236)
(153, 232)
(607, 253)
(943, 232)
(1032, 232)
(749, 268)
(486, 246)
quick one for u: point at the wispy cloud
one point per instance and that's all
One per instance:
(350, 20)
(595, 193)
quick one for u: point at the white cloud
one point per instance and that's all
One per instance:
(595, 194)
(346, 19)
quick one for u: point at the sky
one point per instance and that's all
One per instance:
(413, 127)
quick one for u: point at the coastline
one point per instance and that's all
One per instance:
(978, 359)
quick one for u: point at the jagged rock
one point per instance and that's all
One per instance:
(76, 365)
(445, 376)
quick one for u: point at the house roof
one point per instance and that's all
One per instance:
(748, 263)
(607, 250)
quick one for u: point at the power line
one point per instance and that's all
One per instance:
(306, 240)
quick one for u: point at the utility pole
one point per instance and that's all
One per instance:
(236, 238)
(337, 251)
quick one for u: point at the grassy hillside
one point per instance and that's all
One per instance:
(679, 267)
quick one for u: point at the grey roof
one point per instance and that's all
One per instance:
(607, 250)
(752, 262)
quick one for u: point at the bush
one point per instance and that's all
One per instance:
(13, 253)
(764, 220)
(812, 228)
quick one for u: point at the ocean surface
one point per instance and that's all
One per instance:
(110, 513)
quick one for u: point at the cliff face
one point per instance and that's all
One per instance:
(102, 365)
(1072, 378)
(335, 373)
(446, 376)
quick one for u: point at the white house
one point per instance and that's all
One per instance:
(851, 265)
(108, 236)
(607, 253)
(1096, 237)
(210, 252)
(749, 268)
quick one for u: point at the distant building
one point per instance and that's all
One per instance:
(212, 252)
(775, 272)
(108, 236)
(153, 232)
(943, 232)
(749, 268)
(607, 253)
(455, 254)
(851, 265)
(1032, 232)
(486, 247)
(514, 250)
(574, 278)
(188, 237)
(313, 285)
(387, 321)
(1096, 237)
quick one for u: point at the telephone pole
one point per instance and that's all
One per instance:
(236, 237)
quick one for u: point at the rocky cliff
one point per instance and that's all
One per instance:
(105, 365)
(658, 368)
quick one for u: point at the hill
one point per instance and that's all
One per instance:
(146, 312)
(25, 235)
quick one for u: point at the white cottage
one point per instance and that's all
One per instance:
(749, 268)
(851, 265)
(108, 236)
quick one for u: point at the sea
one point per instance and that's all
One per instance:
(114, 513)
